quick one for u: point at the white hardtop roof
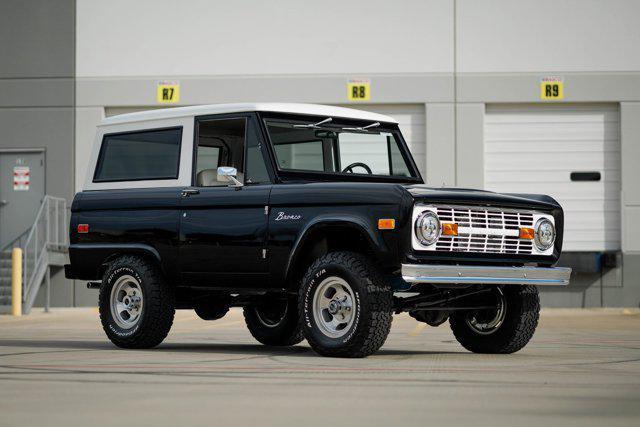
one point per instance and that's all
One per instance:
(201, 110)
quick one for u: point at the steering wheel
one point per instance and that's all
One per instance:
(349, 169)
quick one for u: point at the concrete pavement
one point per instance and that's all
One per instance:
(581, 368)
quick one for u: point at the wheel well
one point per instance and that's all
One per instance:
(322, 240)
(112, 257)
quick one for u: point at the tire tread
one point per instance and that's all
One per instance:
(158, 309)
(377, 326)
(523, 305)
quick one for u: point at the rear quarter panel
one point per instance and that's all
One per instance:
(133, 220)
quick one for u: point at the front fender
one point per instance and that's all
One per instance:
(375, 240)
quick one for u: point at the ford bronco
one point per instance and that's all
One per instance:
(314, 219)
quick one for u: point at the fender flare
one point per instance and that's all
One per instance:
(100, 253)
(351, 221)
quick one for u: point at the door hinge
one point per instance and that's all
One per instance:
(264, 254)
(266, 210)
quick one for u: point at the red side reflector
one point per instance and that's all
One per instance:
(83, 228)
(386, 224)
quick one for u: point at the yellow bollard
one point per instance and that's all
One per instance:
(16, 282)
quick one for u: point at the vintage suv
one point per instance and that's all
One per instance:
(314, 219)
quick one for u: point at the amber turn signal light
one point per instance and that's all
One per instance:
(449, 229)
(527, 233)
(386, 224)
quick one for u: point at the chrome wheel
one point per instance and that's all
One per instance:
(126, 302)
(486, 322)
(333, 307)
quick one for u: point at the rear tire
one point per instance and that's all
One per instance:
(345, 306)
(502, 331)
(136, 304)
(274, 322)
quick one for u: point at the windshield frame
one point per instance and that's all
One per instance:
(337, 124)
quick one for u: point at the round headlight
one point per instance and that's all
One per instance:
(545, 234)
(427, 228)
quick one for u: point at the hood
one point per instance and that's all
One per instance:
(465, 196)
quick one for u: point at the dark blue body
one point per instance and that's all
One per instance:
(260, 237)
(216, 238)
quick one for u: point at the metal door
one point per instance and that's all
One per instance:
(569, 151)
(21, 191)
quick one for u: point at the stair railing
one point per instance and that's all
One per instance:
(18, 242)
(49, 231)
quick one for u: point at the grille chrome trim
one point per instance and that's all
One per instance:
(484, 230)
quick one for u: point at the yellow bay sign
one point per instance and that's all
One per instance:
(168, 92)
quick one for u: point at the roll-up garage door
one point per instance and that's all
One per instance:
(571, 152)
(411, 118)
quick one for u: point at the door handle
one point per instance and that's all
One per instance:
(189, 192)
(585, 176)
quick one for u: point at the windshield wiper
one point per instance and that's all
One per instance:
(314, 125)
(364, 128)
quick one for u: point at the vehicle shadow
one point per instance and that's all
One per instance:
(17, 347)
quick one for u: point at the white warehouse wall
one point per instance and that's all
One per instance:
(547, 35)
(249, 37)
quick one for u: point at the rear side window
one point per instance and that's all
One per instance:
(135, 156)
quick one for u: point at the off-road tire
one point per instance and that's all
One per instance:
(286, 332)
(373, 305)
(158, 305)
(520, 322)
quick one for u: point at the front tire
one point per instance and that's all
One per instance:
(136, 304)
(503, 330)
(345, 306)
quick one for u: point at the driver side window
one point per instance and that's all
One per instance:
(220, 143)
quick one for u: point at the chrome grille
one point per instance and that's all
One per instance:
(489, 230)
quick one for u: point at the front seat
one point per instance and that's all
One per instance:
(209, 178)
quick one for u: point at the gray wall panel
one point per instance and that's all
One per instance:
(525, 87)
(38, 38)
(50, 128)
(441, 156)
(630, 145)
(470, 145)
(37, 92)
(388, 88)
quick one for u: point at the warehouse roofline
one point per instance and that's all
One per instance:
(200, 110)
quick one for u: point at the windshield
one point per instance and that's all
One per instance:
(307, 147)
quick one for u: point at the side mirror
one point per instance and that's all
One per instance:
(229, 173)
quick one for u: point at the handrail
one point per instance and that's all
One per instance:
(19, 240)
(49, 229)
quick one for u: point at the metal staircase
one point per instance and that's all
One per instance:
(44, 247)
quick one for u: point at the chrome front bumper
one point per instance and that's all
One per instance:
(485, 275)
